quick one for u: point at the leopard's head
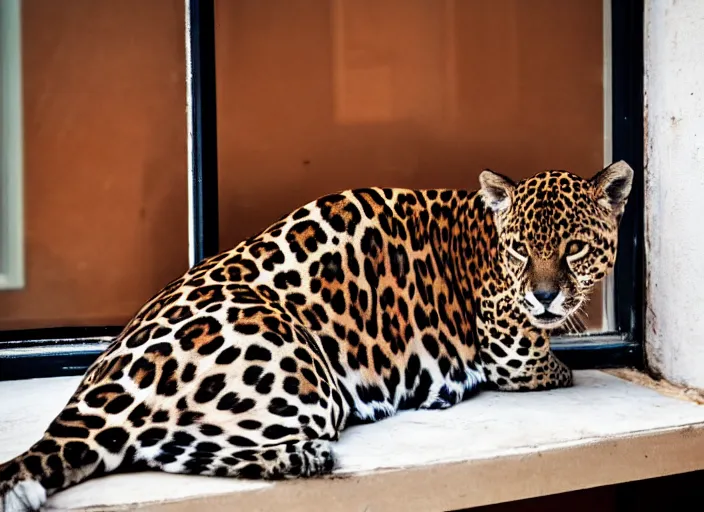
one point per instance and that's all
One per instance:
(558, 235)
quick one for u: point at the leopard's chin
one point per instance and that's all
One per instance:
(548, 320)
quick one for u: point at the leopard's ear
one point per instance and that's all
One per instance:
(497, 190)
(612, 186)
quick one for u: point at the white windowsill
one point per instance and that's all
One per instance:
(495, 447)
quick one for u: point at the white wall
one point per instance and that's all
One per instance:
(674, 189)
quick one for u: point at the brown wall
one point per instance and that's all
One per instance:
(105, 159)
(320, 95)
(313, 96)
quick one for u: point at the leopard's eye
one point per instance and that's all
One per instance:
(576, 249)
(518, 251)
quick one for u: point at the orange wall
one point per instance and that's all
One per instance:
(105, 159)
(313, 96)
(320, 95)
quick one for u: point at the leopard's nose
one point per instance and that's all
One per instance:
(545, 297)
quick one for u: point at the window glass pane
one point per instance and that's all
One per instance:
(317, 95)
(105, 160)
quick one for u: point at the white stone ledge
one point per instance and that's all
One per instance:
(495, 447)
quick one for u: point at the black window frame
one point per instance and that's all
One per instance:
(55, 352)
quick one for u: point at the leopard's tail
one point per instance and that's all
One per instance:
(50, 465)
(19, 489)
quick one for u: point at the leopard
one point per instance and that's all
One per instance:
(351, 308)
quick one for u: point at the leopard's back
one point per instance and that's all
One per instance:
(350, 290)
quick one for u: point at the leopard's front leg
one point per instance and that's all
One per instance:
(520, 359)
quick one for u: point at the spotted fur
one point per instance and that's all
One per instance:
(349, 309)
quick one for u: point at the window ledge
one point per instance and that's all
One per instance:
(495, 447)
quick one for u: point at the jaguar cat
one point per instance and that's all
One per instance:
(351, 308)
